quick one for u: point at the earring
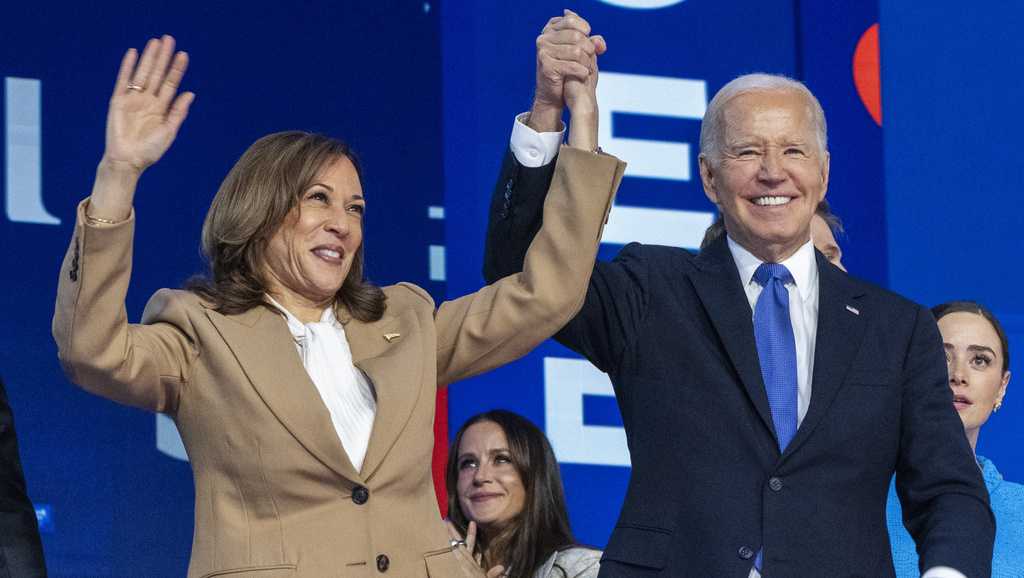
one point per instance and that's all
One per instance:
(999, 404)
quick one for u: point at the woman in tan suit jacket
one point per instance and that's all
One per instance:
(277, 492)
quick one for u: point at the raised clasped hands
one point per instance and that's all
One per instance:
(465, 553)
(567, 77)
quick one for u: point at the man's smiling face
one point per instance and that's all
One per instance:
(770, 173)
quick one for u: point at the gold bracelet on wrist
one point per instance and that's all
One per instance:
(94, 220)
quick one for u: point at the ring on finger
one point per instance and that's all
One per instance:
(133, 86)
(456, 543)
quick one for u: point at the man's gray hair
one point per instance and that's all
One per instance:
(712, 129)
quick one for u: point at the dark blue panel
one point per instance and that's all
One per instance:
(954, 177)
(829, 35)
(601, 410)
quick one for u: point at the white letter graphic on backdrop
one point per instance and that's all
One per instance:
(566, 381)
(642, 4)
(168, 440)
(24, 166)
(652, 96)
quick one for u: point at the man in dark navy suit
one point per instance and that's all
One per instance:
(767, 397)
(21, 552)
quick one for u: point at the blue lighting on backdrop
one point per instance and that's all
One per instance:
(426, 93)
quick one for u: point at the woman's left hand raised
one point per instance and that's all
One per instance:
(146, 110)
(469, 563)
(145, 114)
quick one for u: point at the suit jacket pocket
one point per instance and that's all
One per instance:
(644, 546)
(271, 571)
(441, 563)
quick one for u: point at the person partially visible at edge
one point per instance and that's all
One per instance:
(978, 358)
(303, 393)
(826, 227)
(505, 496)
(767, 397)
(21, 550)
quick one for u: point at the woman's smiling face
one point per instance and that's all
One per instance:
(311, 253)
(491, 491)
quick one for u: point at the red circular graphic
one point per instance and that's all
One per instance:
(866, 75)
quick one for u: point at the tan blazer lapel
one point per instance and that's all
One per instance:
(261, 342)
(387, 351)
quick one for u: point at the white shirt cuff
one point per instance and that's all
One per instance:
(531, 148)
(942, 572)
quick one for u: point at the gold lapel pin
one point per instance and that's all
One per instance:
(391, 336)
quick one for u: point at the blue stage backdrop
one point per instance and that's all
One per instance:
(427, 93)
(954, 177)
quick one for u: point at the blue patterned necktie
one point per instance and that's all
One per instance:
(776, 349)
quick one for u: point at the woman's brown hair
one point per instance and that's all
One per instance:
(542, 528)
(253, 201)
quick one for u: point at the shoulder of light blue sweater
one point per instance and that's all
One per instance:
(1007, 499)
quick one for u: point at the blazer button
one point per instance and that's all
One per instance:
(360, 495)
(775, 484)
(383, 563)
(745, 553)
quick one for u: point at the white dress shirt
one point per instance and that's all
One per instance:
(533, 149)
(803, 313)
(803, 309)
(343, 387)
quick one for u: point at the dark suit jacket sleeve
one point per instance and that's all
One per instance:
(615, 301)
(945, 504)
(515, 216)
(21, 552)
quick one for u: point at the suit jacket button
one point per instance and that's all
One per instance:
(383, 563)
(360, 495)
(775, 484)
(745, 553)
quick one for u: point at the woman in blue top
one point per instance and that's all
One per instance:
(979, 359)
